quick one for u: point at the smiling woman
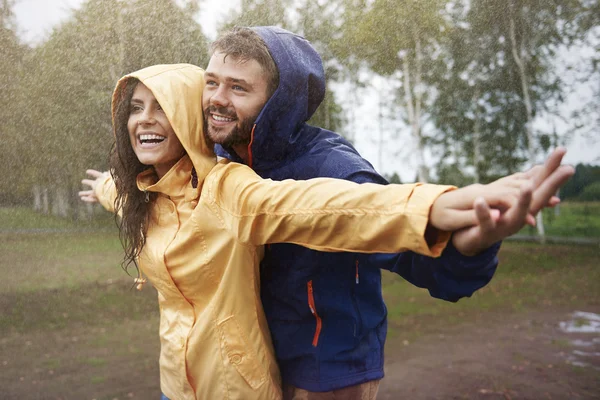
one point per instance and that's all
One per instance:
(152, 137)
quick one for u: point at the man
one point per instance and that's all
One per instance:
(325, 310)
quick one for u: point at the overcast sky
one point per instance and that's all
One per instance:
(36, 18)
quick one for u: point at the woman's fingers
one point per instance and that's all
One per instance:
(94, 173)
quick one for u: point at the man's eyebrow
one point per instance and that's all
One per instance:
(134, 100)
(228, 78)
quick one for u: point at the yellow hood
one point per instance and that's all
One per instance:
(178, 89)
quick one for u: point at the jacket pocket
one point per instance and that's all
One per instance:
(239, 353)
(313, 310)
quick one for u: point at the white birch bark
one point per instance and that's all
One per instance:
(413, 107)
(520, 56)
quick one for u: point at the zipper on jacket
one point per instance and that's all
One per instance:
(250, 146)
(358, 324)
(313, 310)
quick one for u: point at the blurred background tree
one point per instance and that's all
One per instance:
(467, 79)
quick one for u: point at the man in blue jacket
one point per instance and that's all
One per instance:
(325, 310)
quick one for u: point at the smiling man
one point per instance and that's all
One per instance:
(325, 310)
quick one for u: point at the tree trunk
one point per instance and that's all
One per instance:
(414, 109)
(380, 144)
(519, 55)
(45, 202)
(476, 137)
(37, 198)
(60, 205)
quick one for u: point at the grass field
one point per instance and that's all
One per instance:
(22, 218)
(574, 220)
(68, 288)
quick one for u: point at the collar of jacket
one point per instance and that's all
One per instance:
(177, 182)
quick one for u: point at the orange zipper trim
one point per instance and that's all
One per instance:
(313, 310)
(357, 272)
(250, 146)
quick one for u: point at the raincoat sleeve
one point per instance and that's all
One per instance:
(449, 277)
(106, 192)
(324, 214)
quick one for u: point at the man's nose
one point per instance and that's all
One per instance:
(220, 97)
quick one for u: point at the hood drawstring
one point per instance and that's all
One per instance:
(147, 198)
(140, 280)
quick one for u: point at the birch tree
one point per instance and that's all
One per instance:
(399, 39)
(72, 75)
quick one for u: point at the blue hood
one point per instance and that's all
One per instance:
(300, 92)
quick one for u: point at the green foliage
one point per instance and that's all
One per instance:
(12, 54)
(67, 83)
(258, 13)
(394, 178)
(585, 175)
(481, 108)
(591, 192)
(452, 174)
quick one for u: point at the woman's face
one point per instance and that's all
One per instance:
(152, 137)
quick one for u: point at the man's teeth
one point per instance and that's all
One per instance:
(151, 138)
(222, 119)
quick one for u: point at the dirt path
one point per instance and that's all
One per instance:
(519, 356)
(524, 356)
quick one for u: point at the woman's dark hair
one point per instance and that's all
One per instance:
(132, 204)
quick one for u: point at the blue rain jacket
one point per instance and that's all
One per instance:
(325, 310)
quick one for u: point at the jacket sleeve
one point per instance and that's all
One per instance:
(450, 277)
(323, 214)
(106, 192)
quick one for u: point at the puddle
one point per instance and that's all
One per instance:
(586, 326)
(582, 322)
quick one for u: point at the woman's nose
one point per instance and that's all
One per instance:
(147, 118)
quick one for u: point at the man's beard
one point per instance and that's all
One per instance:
(239, 135)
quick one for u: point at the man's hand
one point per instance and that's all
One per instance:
(89, 196)
(485, 214)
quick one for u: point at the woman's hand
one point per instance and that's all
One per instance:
(89, 196)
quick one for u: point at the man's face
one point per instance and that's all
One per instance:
(235, 93)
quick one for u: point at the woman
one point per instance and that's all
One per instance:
(195, 227)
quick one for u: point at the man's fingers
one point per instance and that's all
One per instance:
(553, 202)
(550, 165)
(85, 193)
(546, 190)
(516, 217)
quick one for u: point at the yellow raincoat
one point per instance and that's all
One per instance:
(204, 245)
